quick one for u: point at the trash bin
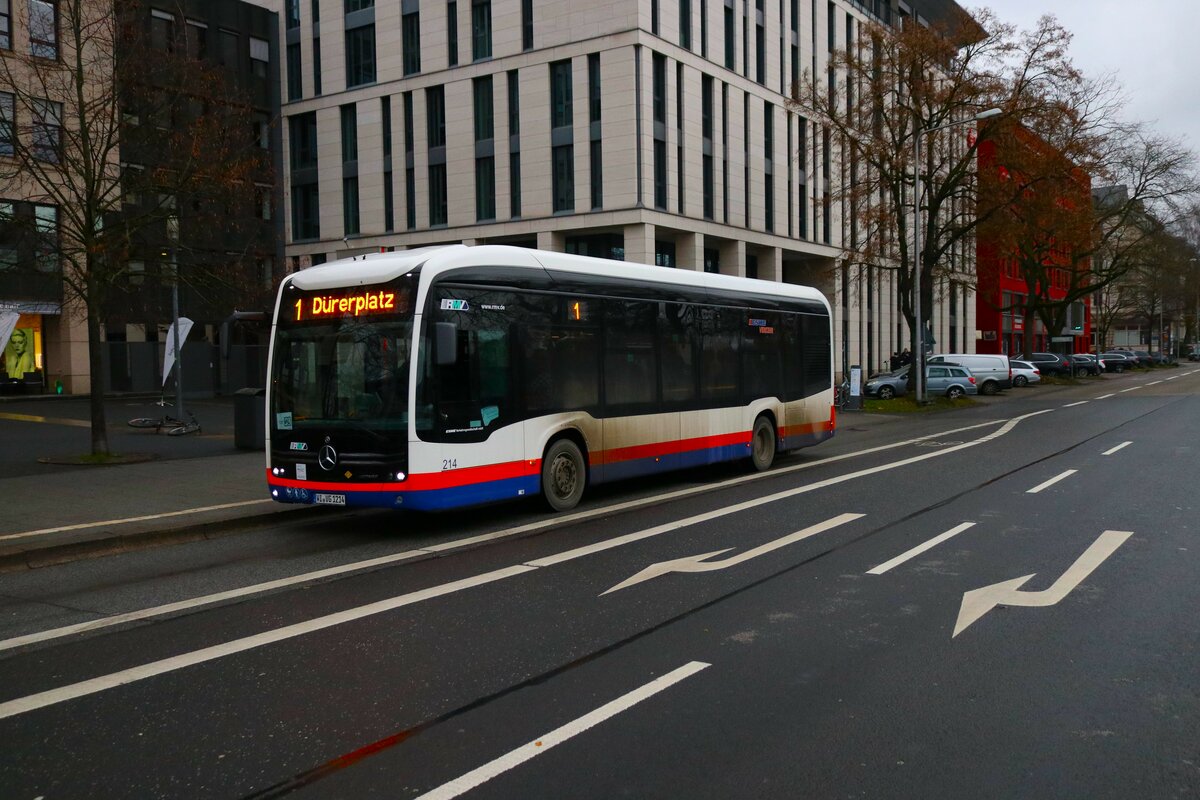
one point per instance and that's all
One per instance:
(249, 419)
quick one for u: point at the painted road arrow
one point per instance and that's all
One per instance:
(701, 563)
(978, 602)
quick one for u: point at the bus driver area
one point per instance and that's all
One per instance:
(453, 376)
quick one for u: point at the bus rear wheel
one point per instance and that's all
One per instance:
(563, 475)
(762, 444)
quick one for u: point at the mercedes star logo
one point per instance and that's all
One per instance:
(328, 458)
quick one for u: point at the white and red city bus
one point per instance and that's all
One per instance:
(453, 376)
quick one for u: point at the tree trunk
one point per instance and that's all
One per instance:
(1027, 337)
(95, 368)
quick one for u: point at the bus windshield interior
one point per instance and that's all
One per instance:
(344, 373)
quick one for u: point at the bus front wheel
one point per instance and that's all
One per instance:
(563, 475)
(762, 444)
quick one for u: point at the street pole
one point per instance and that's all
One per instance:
(177, 367)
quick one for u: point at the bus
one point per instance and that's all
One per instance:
(457, 375)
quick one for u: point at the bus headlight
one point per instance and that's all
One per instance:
(401, 476)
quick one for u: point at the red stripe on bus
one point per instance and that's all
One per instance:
(424, 481)
(618, 454)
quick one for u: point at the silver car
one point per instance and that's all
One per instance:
(950, 380)
(1024, 373)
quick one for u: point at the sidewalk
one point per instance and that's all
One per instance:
(195, 486)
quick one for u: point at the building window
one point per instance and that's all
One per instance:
(317, 65)
(729, 52)
(481, 29)
(769, 151)
(196, 34)
(47, 130)
(389, 203)
(411, 24)
(560, 94)
(660, 88)
(654, 17)
(435, 117)
(229, 53)
(704, 28)
(43, 28)
(45, 224)
(597, 169)
(563, 158)
(685, 24)
(410, 198)
(485, 188)
(484, 117)
(594, 87)
(452, 32)
(293, 14)
(660, 173)
(526, 24)
(262, 201)
(260, 57)
(514, 104)
(358, 5)
(162, 30)
(360, 55)
(295, 85)
(5, 25)
(350, 206)
(302, 140)
(514, 184)
(437, 194)
(385, 111)
(760, 55)
(306, 219)
(349, 133)
(8, 123)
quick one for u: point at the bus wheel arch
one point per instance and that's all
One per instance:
(763, 441)
(564, 471)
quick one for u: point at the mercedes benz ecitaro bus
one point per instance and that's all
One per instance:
(452, 376)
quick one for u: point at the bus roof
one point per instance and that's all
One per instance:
(380, 267)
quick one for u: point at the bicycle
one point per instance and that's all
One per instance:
(184, 428)
(841, 394)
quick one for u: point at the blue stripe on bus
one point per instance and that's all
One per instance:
(428, 500)
(635, 467)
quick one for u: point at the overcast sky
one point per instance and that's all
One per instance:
(1151, 45)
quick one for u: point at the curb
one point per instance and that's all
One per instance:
(36, 557)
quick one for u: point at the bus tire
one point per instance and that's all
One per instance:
(762, 444)
(564, 475)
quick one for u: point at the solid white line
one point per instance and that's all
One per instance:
(921, 548)
(618, 541)
(1051, 482)
(1081, 402)
(133, 674)
(1112, 450)
(81, 526)
(1104, 396)
(258, 588)
(529, 750)
(23, 704)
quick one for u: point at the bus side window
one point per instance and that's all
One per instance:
(677, 343)
(793, 369)
(815, 341)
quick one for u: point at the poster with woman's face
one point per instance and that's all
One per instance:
(18, 356)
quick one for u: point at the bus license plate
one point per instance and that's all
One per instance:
(329, 499)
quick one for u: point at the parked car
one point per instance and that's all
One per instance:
(1144, 359)
(1052, 363)
(1086, 363)
(950, 380)
(1024, 373)
(992, 372)
(1118, 361)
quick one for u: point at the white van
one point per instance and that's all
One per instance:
(992, 372)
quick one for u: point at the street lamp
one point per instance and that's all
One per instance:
(919, 359)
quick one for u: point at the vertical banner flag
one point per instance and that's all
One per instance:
(8, 323)
(185, 325)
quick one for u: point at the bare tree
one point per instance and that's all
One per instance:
(902, 82)
(129, 132)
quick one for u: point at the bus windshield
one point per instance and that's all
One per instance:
(342, 373)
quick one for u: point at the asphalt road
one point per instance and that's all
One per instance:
(708, 635)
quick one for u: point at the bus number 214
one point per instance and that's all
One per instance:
(449, 463)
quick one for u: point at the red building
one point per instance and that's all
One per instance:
(1033, 234)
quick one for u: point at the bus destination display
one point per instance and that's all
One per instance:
(329, 306)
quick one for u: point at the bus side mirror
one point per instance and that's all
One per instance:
(445, 343)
